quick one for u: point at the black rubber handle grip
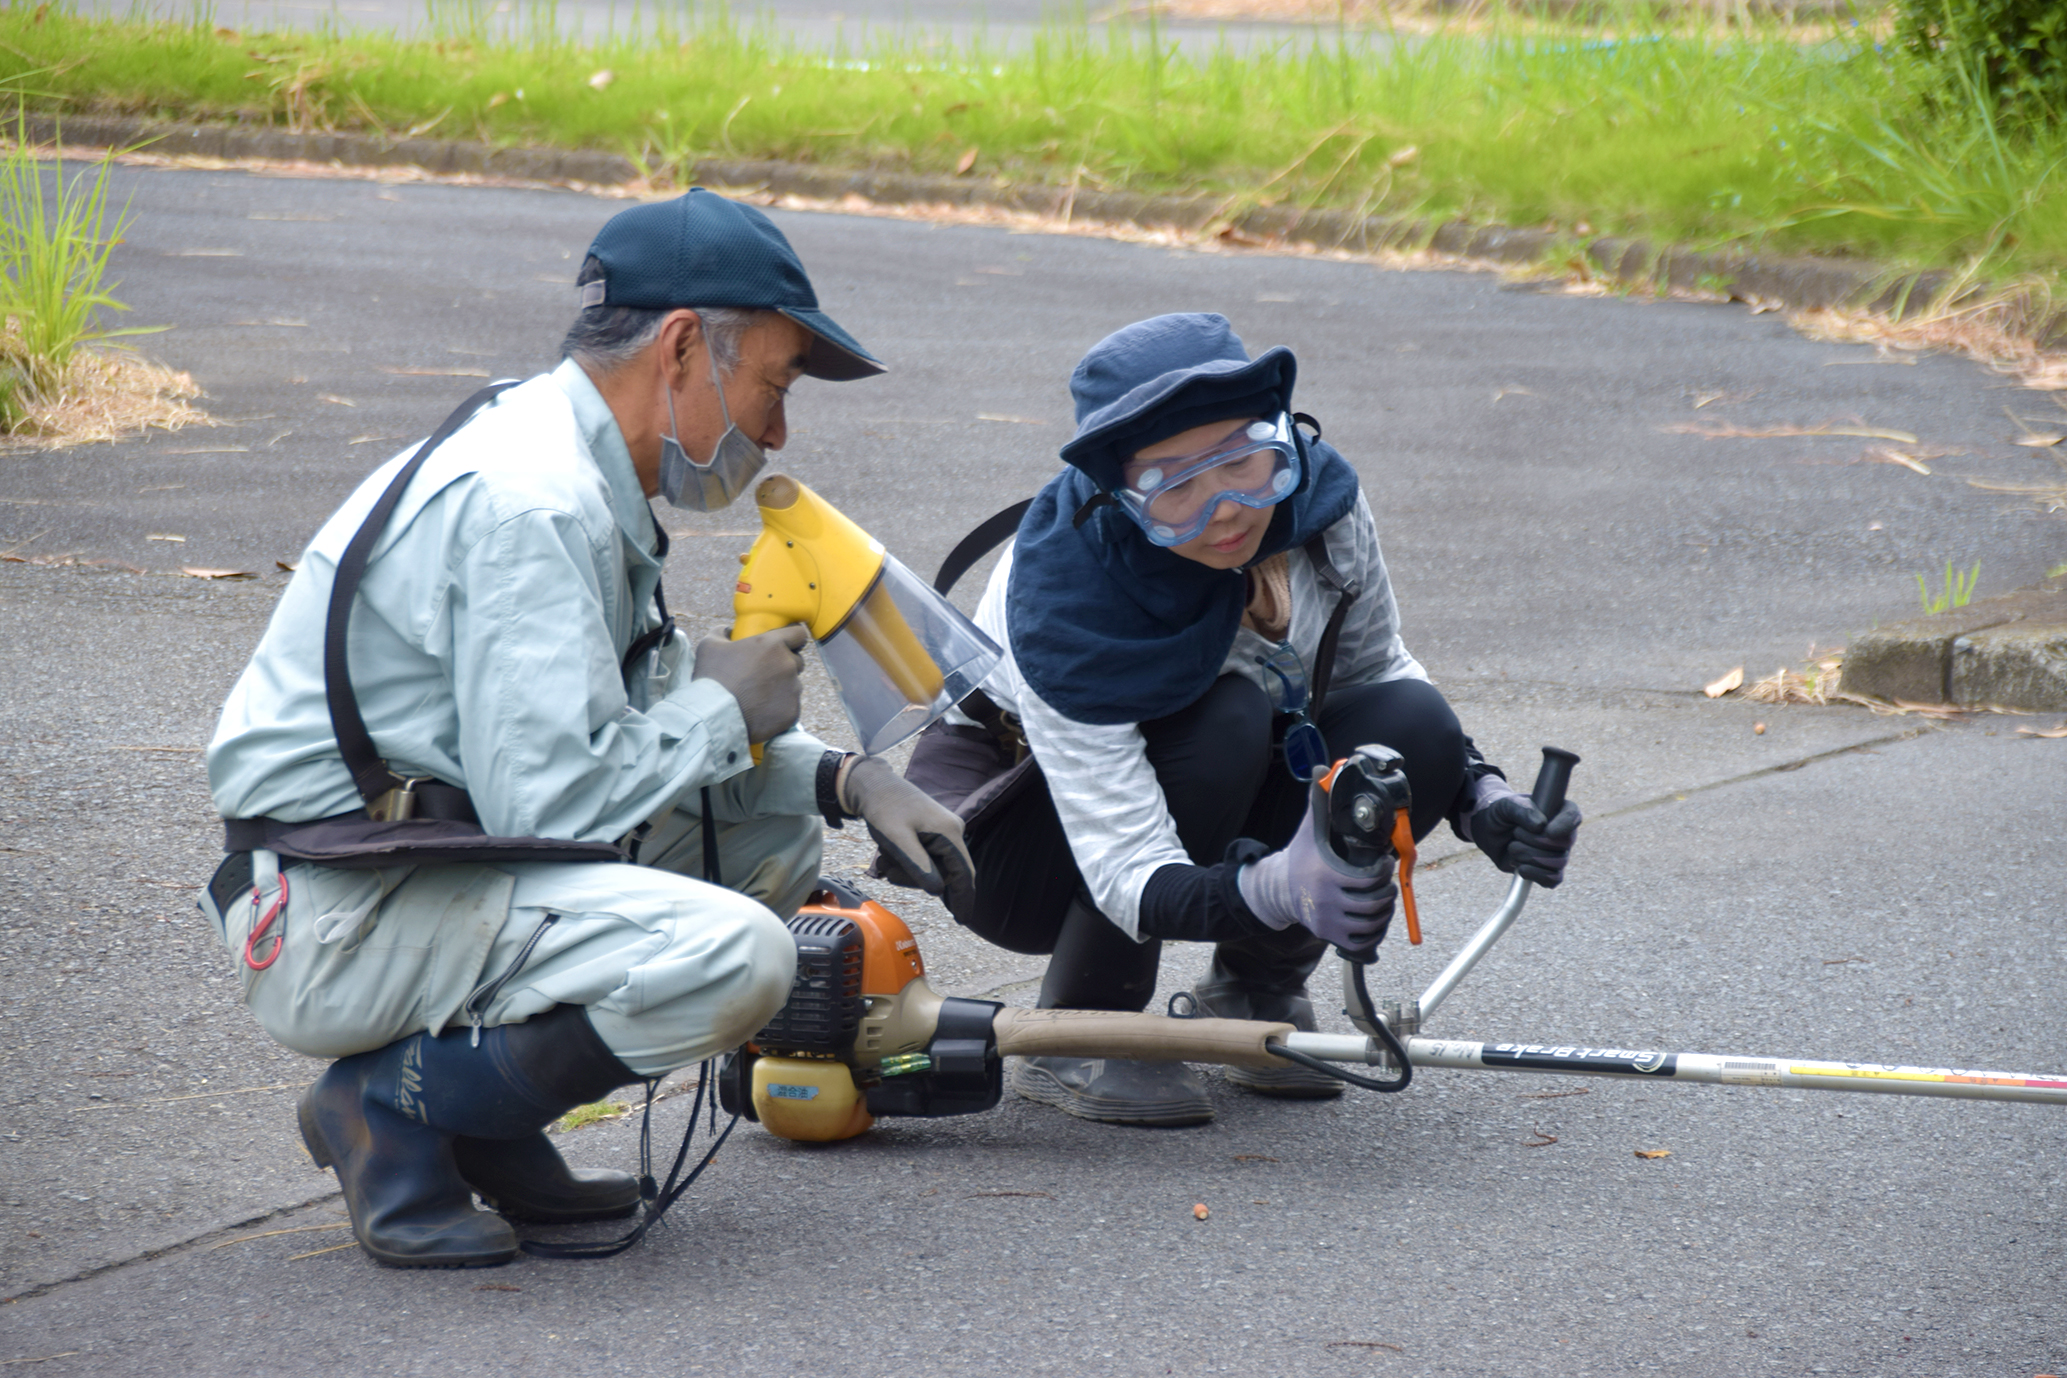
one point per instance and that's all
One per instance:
(1551, 780)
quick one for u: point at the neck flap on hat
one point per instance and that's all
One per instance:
(1108, 627)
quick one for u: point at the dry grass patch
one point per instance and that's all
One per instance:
(2004, 330)
(2001, 328)
(1820, 683)
(2046, 497)
(1817, 684)
(103, 397)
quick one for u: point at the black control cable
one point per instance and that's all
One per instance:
(1385, 1036)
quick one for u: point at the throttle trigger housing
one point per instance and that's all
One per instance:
(1366, 792)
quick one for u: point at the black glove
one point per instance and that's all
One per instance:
(760, 672)
(1515, 834)
(921, 839)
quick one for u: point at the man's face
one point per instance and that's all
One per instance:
(1232, 536)
(772, 354)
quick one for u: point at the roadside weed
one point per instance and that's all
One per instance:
(1755, 134)
(1957, 593)
(55, 238)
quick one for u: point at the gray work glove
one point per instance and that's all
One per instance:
(1516, 835)
(1302, 885)
(918, 835)
(760, 672)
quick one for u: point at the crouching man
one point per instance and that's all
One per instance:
(510, 656)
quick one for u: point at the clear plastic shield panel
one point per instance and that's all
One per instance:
(903, 657)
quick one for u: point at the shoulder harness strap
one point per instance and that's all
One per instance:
(1347, 591)
(370, 774)
(995, 530)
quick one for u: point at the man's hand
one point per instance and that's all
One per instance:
(915, 832)
(760, 672)
(1516, 835)
(1299, 885)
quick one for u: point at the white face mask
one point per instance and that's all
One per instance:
(734, 460)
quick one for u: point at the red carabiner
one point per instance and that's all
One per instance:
(259, 929)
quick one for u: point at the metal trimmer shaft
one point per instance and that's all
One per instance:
(1886, 1079)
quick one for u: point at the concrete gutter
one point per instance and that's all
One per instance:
(1794, 282)
(2009, 651)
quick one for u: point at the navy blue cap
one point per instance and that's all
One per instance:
(1159, 377)
(703, 250)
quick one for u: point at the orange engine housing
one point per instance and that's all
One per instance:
(889, 953)
(802, 1086)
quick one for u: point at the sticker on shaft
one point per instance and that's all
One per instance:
(1572, 1057)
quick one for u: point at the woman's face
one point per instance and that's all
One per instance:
(1234, 532)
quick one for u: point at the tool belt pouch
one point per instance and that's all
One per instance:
(980, 772)
(406, 822)
(360, 844)
(971, 770)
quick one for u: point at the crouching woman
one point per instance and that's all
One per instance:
(1164, 607)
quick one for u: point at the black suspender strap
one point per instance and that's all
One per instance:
(370, 774)
(641, 645)
(1347, 591)
(979, 543)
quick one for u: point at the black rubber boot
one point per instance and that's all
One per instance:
(1265, 978)
(1097, 967)
(386, 1120)
(525, 1178)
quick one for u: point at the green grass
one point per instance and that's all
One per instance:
(56, 233)
(1760, 139)
(1957, 593)
(582, 1115)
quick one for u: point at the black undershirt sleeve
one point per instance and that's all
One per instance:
(1476, 768)
(1202, 904)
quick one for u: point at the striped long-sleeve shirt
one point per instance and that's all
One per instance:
(1111, 806)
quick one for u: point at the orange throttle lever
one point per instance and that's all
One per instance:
(1403, 843)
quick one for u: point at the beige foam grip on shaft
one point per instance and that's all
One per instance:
(1142, 1037)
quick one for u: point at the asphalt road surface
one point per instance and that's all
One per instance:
(1571, 565)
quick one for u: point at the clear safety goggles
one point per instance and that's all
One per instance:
(1174, 499)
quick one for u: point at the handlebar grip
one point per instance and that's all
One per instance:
(1549, 794)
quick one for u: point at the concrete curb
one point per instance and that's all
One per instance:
(2008, 651)
(1794, 282)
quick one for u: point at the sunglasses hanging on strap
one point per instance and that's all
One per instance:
(1292, 691)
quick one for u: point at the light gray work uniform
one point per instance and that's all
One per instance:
(485, 651)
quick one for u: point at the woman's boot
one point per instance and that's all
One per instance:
(1265, 978)
(1097, 967)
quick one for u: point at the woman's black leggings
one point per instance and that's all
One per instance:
(1221, 780)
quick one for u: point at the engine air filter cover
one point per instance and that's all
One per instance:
(825, 1005)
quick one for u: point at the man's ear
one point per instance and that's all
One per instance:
(680, 336)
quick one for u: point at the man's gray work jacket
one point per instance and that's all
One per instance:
(485, 645)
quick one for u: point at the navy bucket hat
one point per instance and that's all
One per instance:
(1164, 375)
(703, 250)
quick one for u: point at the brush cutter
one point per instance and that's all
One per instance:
(864, 1035)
